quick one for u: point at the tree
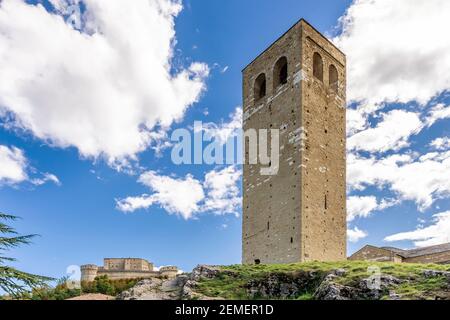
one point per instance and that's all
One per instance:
(13, 281)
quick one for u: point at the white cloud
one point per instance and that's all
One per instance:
(102, 89)
(356, 121)
(437, 233)
(441, 143)
(225, 130)
(47, 177)
(218, 194)
(392, 133)
(363, 207)
(14, 168)
(176, 196)
(438, 112)
(223, 191)
(354, 235)
(422, 179)
(396, 50)
(12, 165)
(360, 207)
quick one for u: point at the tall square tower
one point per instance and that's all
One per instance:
(297, 85)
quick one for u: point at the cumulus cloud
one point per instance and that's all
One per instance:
(386, 61)
(176, 196)
(222, 190)
(419, 178)
(218, 193)
(437, 233)
(356, 121)
(225, 130)
(355, 234)
(12, 165)
(363, 207)
(360, 207)
(386, 64)
(441, 143)
(14, 169)
(99, 79)
(392, 133)
(438, 112)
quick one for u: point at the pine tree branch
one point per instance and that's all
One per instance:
(12, 242)
(15, 282)
(8, 217)
(7, 229)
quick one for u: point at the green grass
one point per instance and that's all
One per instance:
(231, 284)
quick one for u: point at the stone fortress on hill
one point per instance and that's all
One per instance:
(127, 268)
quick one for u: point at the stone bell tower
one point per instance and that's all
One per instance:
(297, 85)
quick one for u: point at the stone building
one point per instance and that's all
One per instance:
(297, 85)
(128, 268)
(439, 254)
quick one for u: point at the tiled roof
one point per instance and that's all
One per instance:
(420, 251)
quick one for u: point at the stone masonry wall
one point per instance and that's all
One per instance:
(369, 253)
(285, 219)
(323, 175)
(442, 257)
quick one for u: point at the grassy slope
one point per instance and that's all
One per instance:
(417, 286)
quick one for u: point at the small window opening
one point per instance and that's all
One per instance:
(280, 72)
(260, 87)
(318, 67)
(334, 78)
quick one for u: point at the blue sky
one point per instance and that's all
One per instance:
(70, 160)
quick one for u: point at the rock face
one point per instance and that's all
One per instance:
(434, 273)
(280, 285)
(181, 288)
(330, 290)
(155, 289)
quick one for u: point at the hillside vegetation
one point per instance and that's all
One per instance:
(328, 281)
(348, 280)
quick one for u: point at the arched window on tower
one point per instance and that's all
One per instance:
(334, 78)
(280, 72)
(318, 67)
(260, 87)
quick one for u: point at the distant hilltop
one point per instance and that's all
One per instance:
(126, 268)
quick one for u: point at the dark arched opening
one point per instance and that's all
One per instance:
(334, 78)
(280, 72)
(318, 67)
(260, 86)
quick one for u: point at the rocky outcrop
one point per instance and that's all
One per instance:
(365, 289)
(155, 289)
(183, 287)
(282, 285)
(435, 273)
(320, 285)
(330, 290)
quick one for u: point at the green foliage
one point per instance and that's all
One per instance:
(306, 296)
(109, 287)
(59, 292)
(13, 281)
